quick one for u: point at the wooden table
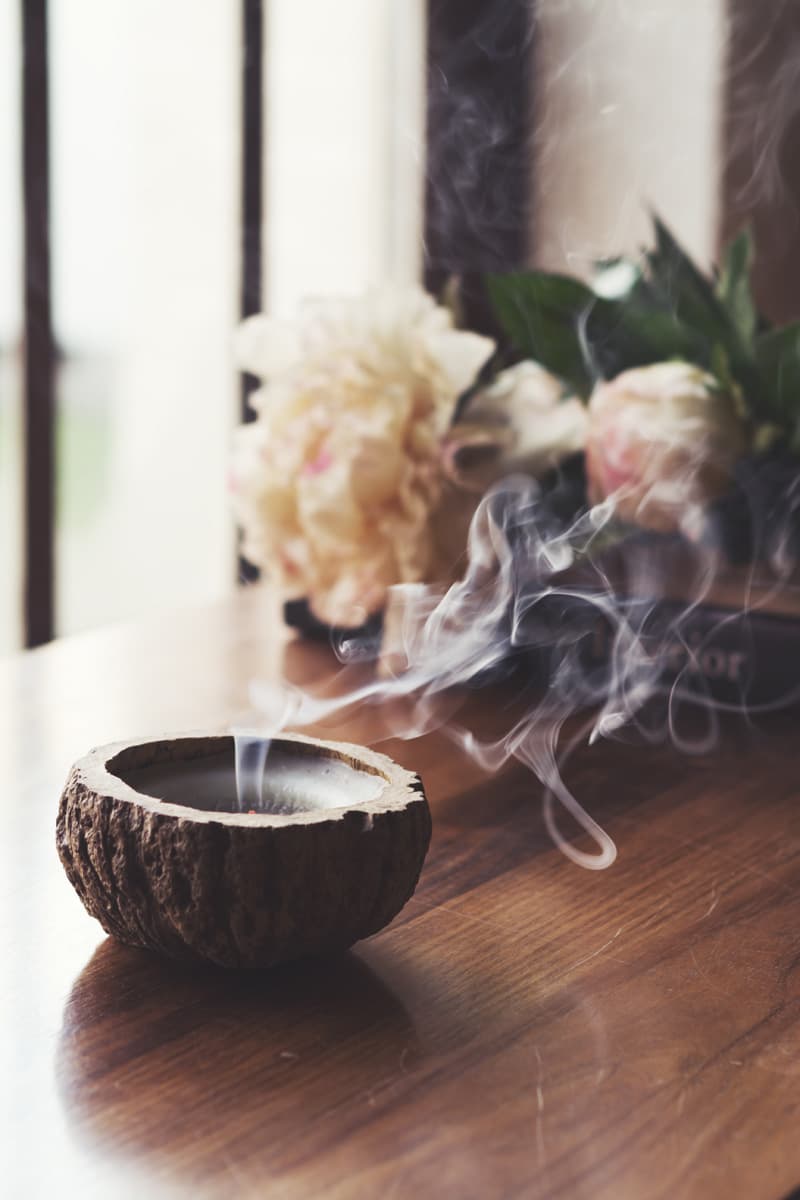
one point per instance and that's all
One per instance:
(524, 1028)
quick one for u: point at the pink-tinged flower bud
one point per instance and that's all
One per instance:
(661, 444)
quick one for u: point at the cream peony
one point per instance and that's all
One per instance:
(523, 422)
(661, 443)
(338, 484)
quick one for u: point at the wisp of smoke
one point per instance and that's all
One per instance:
(517, 598)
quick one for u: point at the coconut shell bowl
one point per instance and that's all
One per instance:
(152, 839)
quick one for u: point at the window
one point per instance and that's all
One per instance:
(146, 245)
(145, 185)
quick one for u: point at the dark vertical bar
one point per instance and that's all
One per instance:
(252, 169)
(478, 182)
(761, 147)
(252, 117)
(39, 398)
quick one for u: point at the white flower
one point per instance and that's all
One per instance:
(662, 442)
(338, 484)
(523, 422)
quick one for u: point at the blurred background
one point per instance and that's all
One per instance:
(166, 168)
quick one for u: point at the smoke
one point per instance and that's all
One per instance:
(503, 606)
(251, 751)
(579, 604)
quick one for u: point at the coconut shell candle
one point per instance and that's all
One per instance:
(330, 849)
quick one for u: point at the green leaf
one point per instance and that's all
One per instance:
(681, 285)
(721, 368)
(583, 337)
(649, 335)
(541, 315)
(679, 281)
(778, 362)
(733, 288)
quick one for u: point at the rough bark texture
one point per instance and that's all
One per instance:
(238, 894)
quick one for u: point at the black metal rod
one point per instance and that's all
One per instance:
(39, 404)
(252, 168)
(252, 212)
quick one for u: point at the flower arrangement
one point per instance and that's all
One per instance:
(379, 423)
(693, 396)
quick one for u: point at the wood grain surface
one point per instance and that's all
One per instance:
(523, 1029)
